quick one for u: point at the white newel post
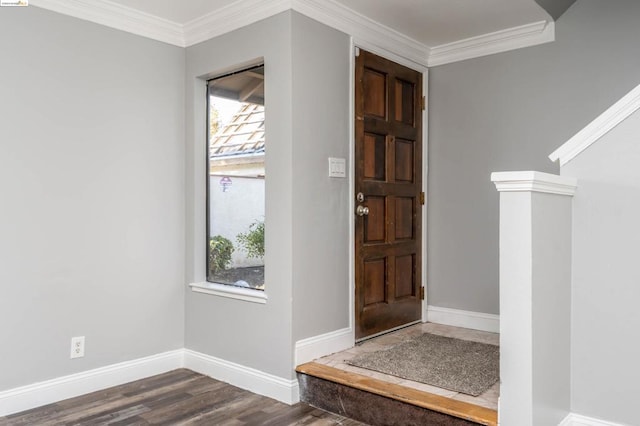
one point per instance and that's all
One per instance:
(535, 297)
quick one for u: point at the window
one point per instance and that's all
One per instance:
(236, 179)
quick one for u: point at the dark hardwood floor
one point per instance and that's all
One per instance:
(180, 397)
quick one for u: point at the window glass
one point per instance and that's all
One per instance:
(236, 179)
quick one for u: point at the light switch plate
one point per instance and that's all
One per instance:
(337, 167)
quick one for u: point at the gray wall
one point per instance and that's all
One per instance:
(91, 181)
(250, 334)
(606, 320)
(321, 65)
(307, 64)
(508, 112)
(92, 178)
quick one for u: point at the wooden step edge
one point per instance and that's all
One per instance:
(430, 401)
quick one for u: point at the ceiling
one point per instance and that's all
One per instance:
(430, 22)
(178, 11)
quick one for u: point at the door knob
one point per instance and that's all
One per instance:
(362, 210)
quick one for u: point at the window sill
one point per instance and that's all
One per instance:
(231, 292)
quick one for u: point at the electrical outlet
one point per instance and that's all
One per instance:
(77, 347)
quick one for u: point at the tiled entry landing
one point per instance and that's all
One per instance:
(488, 399)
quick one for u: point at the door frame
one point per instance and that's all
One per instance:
(359, 44)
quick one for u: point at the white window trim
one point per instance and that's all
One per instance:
(231, 292)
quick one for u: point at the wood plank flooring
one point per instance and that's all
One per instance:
(180, 397)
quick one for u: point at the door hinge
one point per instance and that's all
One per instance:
(424, 103)
(422, 198)
(421, 293)
(357, 51)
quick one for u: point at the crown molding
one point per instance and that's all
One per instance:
(117, 16)
(599, 127)
(236, 15)
(364, 30)
(487, 44)
(531, 181)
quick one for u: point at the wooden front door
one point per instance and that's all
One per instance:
(388, 187)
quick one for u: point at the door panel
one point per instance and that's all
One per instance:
(374, 153)
(375, 221)
(375, 272)
(404, 218)
(404, 160)
(388, 158)
(405, 279)
(375, 93)
(404, 97)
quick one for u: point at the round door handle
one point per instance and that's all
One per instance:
(362, 210)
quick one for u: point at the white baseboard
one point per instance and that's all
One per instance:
(465, 319)
(47, 392)
(253, 380)
(578, 420)
(322, 345)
